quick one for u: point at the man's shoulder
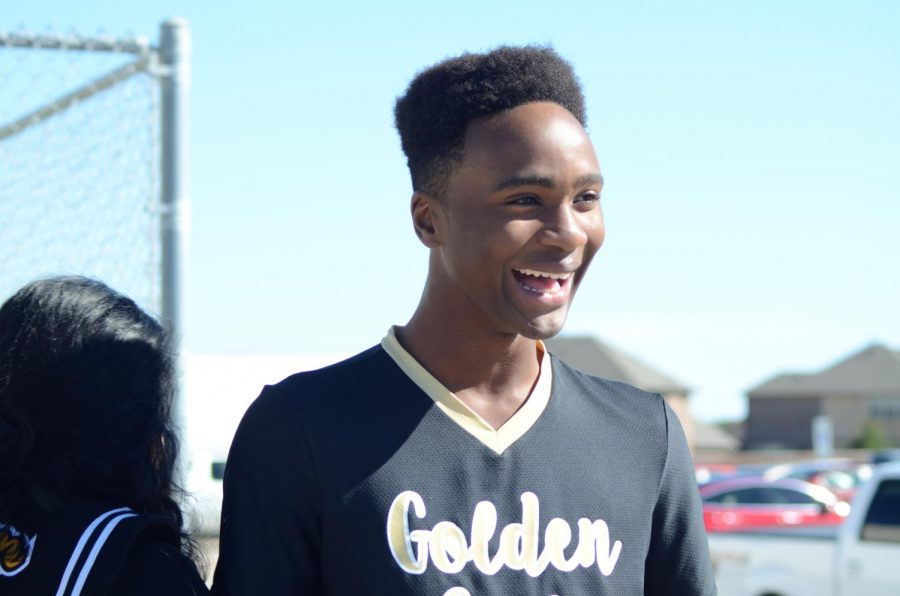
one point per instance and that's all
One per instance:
(636, 421)
(607, 395)
(355, 369)
(316, 398)
(599, 386)
(339, 385)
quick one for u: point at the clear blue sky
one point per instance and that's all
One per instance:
(751, 152)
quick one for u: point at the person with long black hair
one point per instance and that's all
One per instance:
(88, 502)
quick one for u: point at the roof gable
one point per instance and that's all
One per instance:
(710, 436)
(873, 371)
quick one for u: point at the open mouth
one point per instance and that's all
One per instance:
(542, 282)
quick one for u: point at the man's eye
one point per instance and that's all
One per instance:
(526, 200)
(587, 197)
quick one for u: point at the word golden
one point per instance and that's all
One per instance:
(446, 547)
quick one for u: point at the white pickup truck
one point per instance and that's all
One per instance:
(859, 558)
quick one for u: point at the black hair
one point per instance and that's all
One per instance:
(86, 389)
(432, 115)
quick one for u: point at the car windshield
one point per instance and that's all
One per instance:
(762, 495)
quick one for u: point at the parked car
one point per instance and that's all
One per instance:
(751, 502)
(885, 456)
(707, 473)
(858, 557)
(840, 476)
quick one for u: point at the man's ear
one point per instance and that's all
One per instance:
(427, 217)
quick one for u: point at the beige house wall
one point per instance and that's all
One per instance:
(785, 422)
(891, 430)
(848, 413)
(890, 425)
(679, 404)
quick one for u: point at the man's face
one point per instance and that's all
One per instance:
(520, 220)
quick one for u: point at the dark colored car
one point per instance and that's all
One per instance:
(885, 456)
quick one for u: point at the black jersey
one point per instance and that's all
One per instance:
(93, 549)
(370, 477)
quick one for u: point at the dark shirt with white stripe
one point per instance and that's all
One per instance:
(93, 549)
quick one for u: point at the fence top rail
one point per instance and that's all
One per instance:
(56, 41)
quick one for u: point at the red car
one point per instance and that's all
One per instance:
(752, 502)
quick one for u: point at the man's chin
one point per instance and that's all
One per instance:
(546, 326)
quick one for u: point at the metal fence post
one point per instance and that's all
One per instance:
(175, 57)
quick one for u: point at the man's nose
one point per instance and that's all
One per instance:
(564, 229)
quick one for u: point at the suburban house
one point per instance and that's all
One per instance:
(863, 387)
(594, 357)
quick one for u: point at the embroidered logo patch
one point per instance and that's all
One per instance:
(15, 550)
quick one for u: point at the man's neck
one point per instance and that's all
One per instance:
(491, 373)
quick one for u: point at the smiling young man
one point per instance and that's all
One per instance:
(458, 457)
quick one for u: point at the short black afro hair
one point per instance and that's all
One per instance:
(441, 100)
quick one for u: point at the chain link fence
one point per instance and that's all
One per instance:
(80, 153)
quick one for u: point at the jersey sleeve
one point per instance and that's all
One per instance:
(678, 560)
(270, 530)
(157, 567)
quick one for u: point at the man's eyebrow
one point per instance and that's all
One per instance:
(526, 181)
(590, 179)
(546, 182)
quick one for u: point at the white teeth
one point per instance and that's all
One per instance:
(534, 273)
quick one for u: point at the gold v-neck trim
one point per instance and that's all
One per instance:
(497, 440)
